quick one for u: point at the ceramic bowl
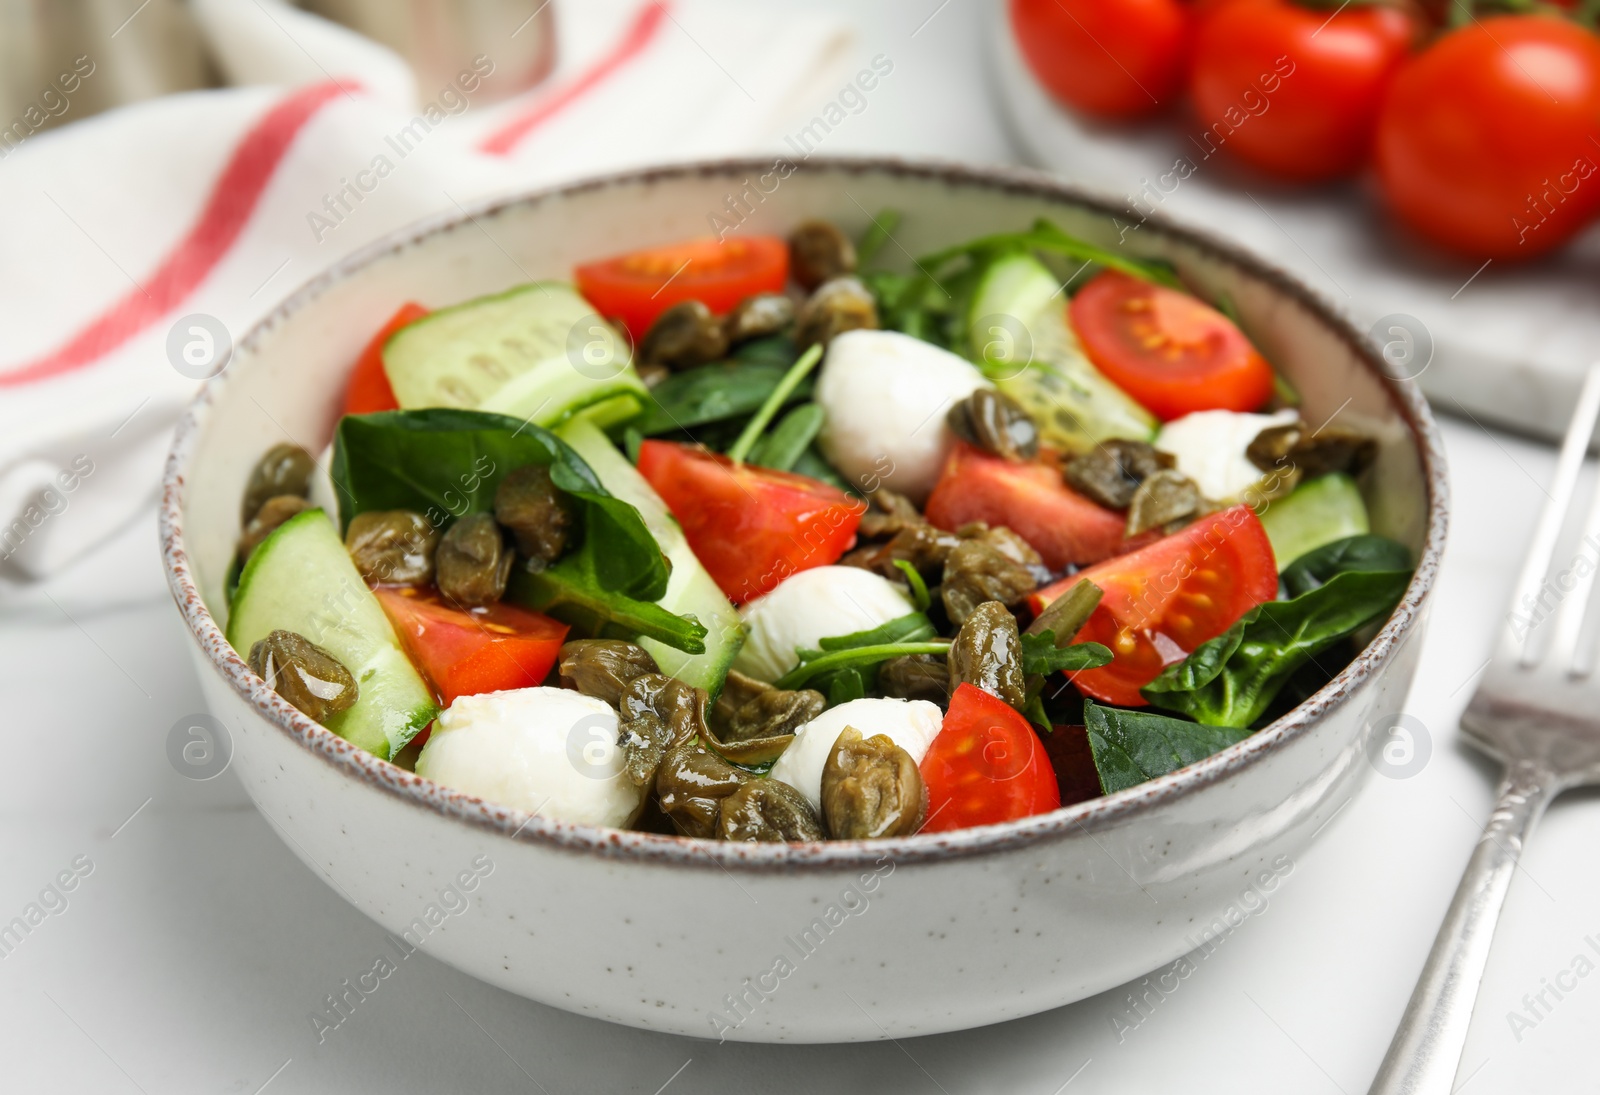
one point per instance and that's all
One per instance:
(838, 941)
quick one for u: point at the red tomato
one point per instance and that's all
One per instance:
(1111, 58)
(637, 287)
(368, 389)
(1295, 90)
(461, 653)
(1487, 143)
(1031, 500)
(751, 527)
(1172, 352)
(1164, 600)
(986, 766)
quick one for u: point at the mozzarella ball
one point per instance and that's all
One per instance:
(1210, 449)
(910, 724)
(551, 751)
(814, 604)
(885, 395)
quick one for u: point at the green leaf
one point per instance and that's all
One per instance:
(1355, 553)
(1047, 237)
(911, 628)
(781, 393)
(861, 650)
(446, 463)
(1230, 680)
(1041, 656)
(919, 588)
(812, 465)
(714, 393)
(778, 350)
(1130, 747)
(789, 439)
(878, 233)
(842, 685)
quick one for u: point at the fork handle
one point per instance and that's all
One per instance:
(1426, 1051)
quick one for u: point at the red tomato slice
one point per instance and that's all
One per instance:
(1170, 351)
(986, 766)
(1164, 600)
(1031, 500)
(751, 527)
(637, 287)
(368, 389)
(493, 649)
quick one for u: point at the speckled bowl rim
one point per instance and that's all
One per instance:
(1080, 819)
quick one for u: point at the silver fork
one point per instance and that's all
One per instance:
(1536, 711)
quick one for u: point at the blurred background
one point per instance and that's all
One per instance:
(1427, 168)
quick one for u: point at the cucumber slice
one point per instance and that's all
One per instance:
(301, 579)
(1018, 334)
(1317, 512)
(691, 590)
(538, 351)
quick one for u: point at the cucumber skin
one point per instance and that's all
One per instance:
(1315, 513)
(1018, 286)
(691, 589)
(384, 675)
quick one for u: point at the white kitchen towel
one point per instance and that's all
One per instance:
(219, 203)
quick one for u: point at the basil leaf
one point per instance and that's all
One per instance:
(1230, 680)
(1130, 747)
(714, 393)
(1355, 553)
(1041, 656)
(446, 463)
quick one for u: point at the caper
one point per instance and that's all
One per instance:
(995, 423)
(285, 469)
(603, 667)
(922, 545)
(268, 516)
(656, 712)
(819, 252)
(767, 810)
(888, 514)
(1113, 470)
(691, 783)
(987, 652)
(758, 316)
(1329, 449)
(870, 788)
(840, 305)
(749, 709)
(685, 334)
(978, 571)
(536, 511)
(303, 673)
(915, 677)
(472, 562)
(392, 547)
(1163, 498)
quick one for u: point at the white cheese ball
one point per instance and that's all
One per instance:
(885, 395)
(814, 604)
(550, 751)
(1210, 449)
(910, 724)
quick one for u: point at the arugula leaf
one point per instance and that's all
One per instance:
(1046, 236)
(789, 439)
(715, 393)
(913, 627)
(919, 588)
(446, 463)
(861, 650)
(1230, 680)
(1354, 553)
(877, 234)
(1130, 747)
(855, 657)
(1041, 656)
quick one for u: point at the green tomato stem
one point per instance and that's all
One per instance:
(780, 395)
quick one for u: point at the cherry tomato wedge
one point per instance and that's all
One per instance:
(460, 653)
(368, 389)
(1172, 352)
(1111, 58)
(750, 527)
(637, 287)
(1165, 599)
(1031, 500)
(986, 766)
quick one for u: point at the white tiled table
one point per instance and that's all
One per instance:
(191, 957)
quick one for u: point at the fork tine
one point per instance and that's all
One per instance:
(1541, 553)
(1572, 640)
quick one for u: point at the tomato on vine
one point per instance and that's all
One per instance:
(1109, 58)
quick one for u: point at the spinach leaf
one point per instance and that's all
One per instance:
(446, 463)
(789, 439)
(812, 464)
(714, 393)
(1041, 656)
(777, 350)
(821, 668)
(1230, 680)
(1315, 568)
(1130, 747)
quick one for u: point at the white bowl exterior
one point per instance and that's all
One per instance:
(670, 941)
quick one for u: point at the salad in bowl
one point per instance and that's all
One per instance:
(767, 539)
